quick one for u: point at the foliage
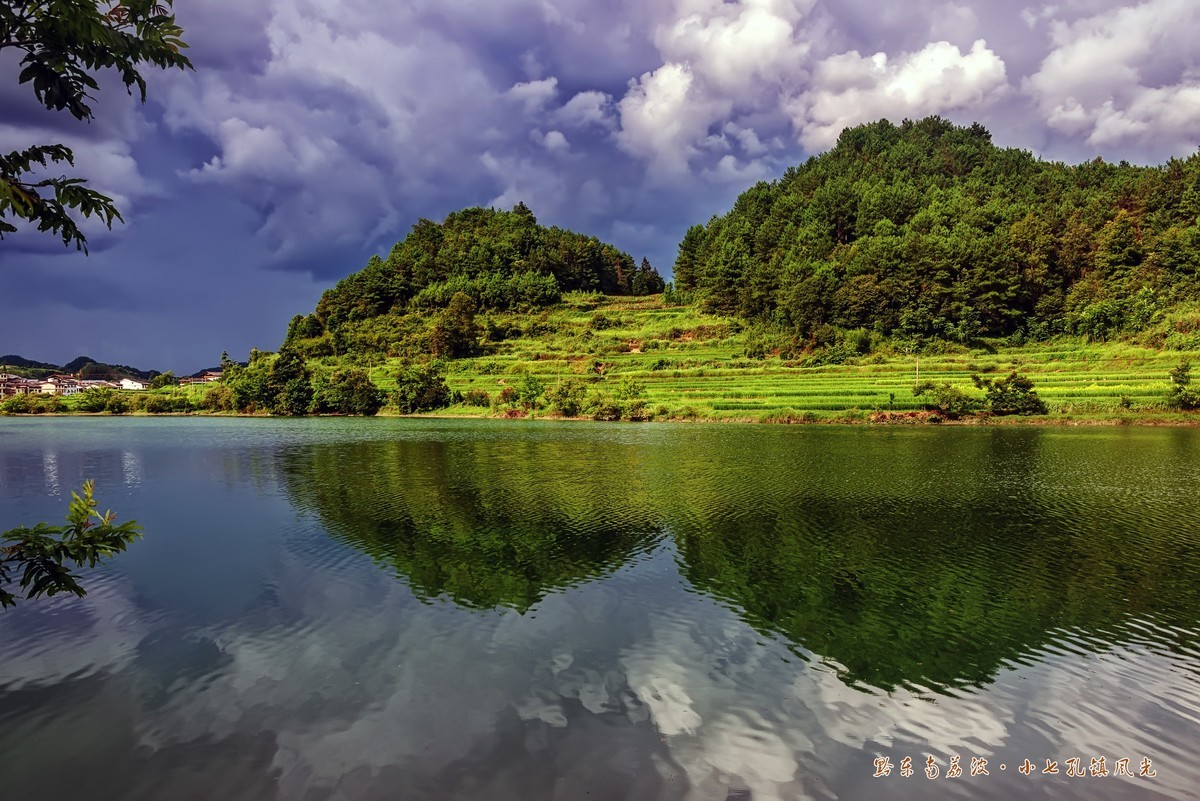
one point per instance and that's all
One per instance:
(477, 397)
(163, 380)
(346, 391)
(218, 398)
(250, 383)
(1011, 395)
(42, 556)
(161, 404)
(529, 391)
(31, 404)
(63, 43)
(421, 388)
(290, 384)
(1182, 395)
(455, 333)
(500, 259)
(93, 399)
(946, 398)
(928, 230)
(566, 397)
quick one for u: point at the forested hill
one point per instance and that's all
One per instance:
(501, 259)
(928, 229)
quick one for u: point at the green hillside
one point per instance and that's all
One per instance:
(928, 230)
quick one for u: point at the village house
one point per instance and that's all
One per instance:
(207, 377)
(60, 385)
(134, 384)
(11, 385)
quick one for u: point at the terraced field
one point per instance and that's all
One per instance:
(693, 365)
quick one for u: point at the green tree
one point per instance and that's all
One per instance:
(566, 397)
(163, 380)
(250, 384)
(95, 399)
(63, 43)
(346, 391)
(946, 399)
(290, 384)
(1011, 395)
(529, 391)
(39, 559)
(1182, 395)
(455, 332)
(421, 388)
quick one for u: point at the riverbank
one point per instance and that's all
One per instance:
(851, 417)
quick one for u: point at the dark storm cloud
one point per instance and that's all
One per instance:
(313, 134)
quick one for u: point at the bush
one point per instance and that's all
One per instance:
(1182, 395)
(348, 391)
(507, 397)
(477, 397)
(946, 398)
(529, 391)
(1011, 395)
(566, 397)
(218, 399)
(421, 388)
(95, 399)
(165, 404)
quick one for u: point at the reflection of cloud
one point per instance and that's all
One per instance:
(635, 681)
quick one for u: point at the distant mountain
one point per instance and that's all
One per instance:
(85, 365)
(28, 364)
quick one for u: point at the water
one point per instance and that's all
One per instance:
(385, 609)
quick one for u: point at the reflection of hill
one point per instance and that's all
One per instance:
(937, 561)
(928, 558)
(485, 523)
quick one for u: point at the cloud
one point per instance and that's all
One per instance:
(321, 132)
(1124, 77)
(849, 88)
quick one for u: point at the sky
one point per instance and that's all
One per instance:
(312, 134)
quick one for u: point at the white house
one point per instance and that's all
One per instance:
(134, 383)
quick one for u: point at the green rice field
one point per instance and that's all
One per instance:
(693, 365)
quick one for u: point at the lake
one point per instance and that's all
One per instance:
(418, 609)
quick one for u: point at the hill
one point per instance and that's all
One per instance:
(80, 365)
(499, 259)
(928, 230)
(656, 358)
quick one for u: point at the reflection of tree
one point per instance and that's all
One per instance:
(487, 524)
(945, 586)
(921, 558)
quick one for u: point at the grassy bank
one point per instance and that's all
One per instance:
(683, 364)
(694, 366)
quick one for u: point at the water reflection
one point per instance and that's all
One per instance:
(581, 612)
(909, 560)
(486, 525)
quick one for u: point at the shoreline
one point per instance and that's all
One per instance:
(861, 418)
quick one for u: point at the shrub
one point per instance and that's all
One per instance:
(347, 391)
(421, 388)
(507, 397)
(165, 404)
(218, 399)
(1011, 395)
(566, 397)
(946, 398)
(477, 397)
(95, 399)
(1182, 395)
